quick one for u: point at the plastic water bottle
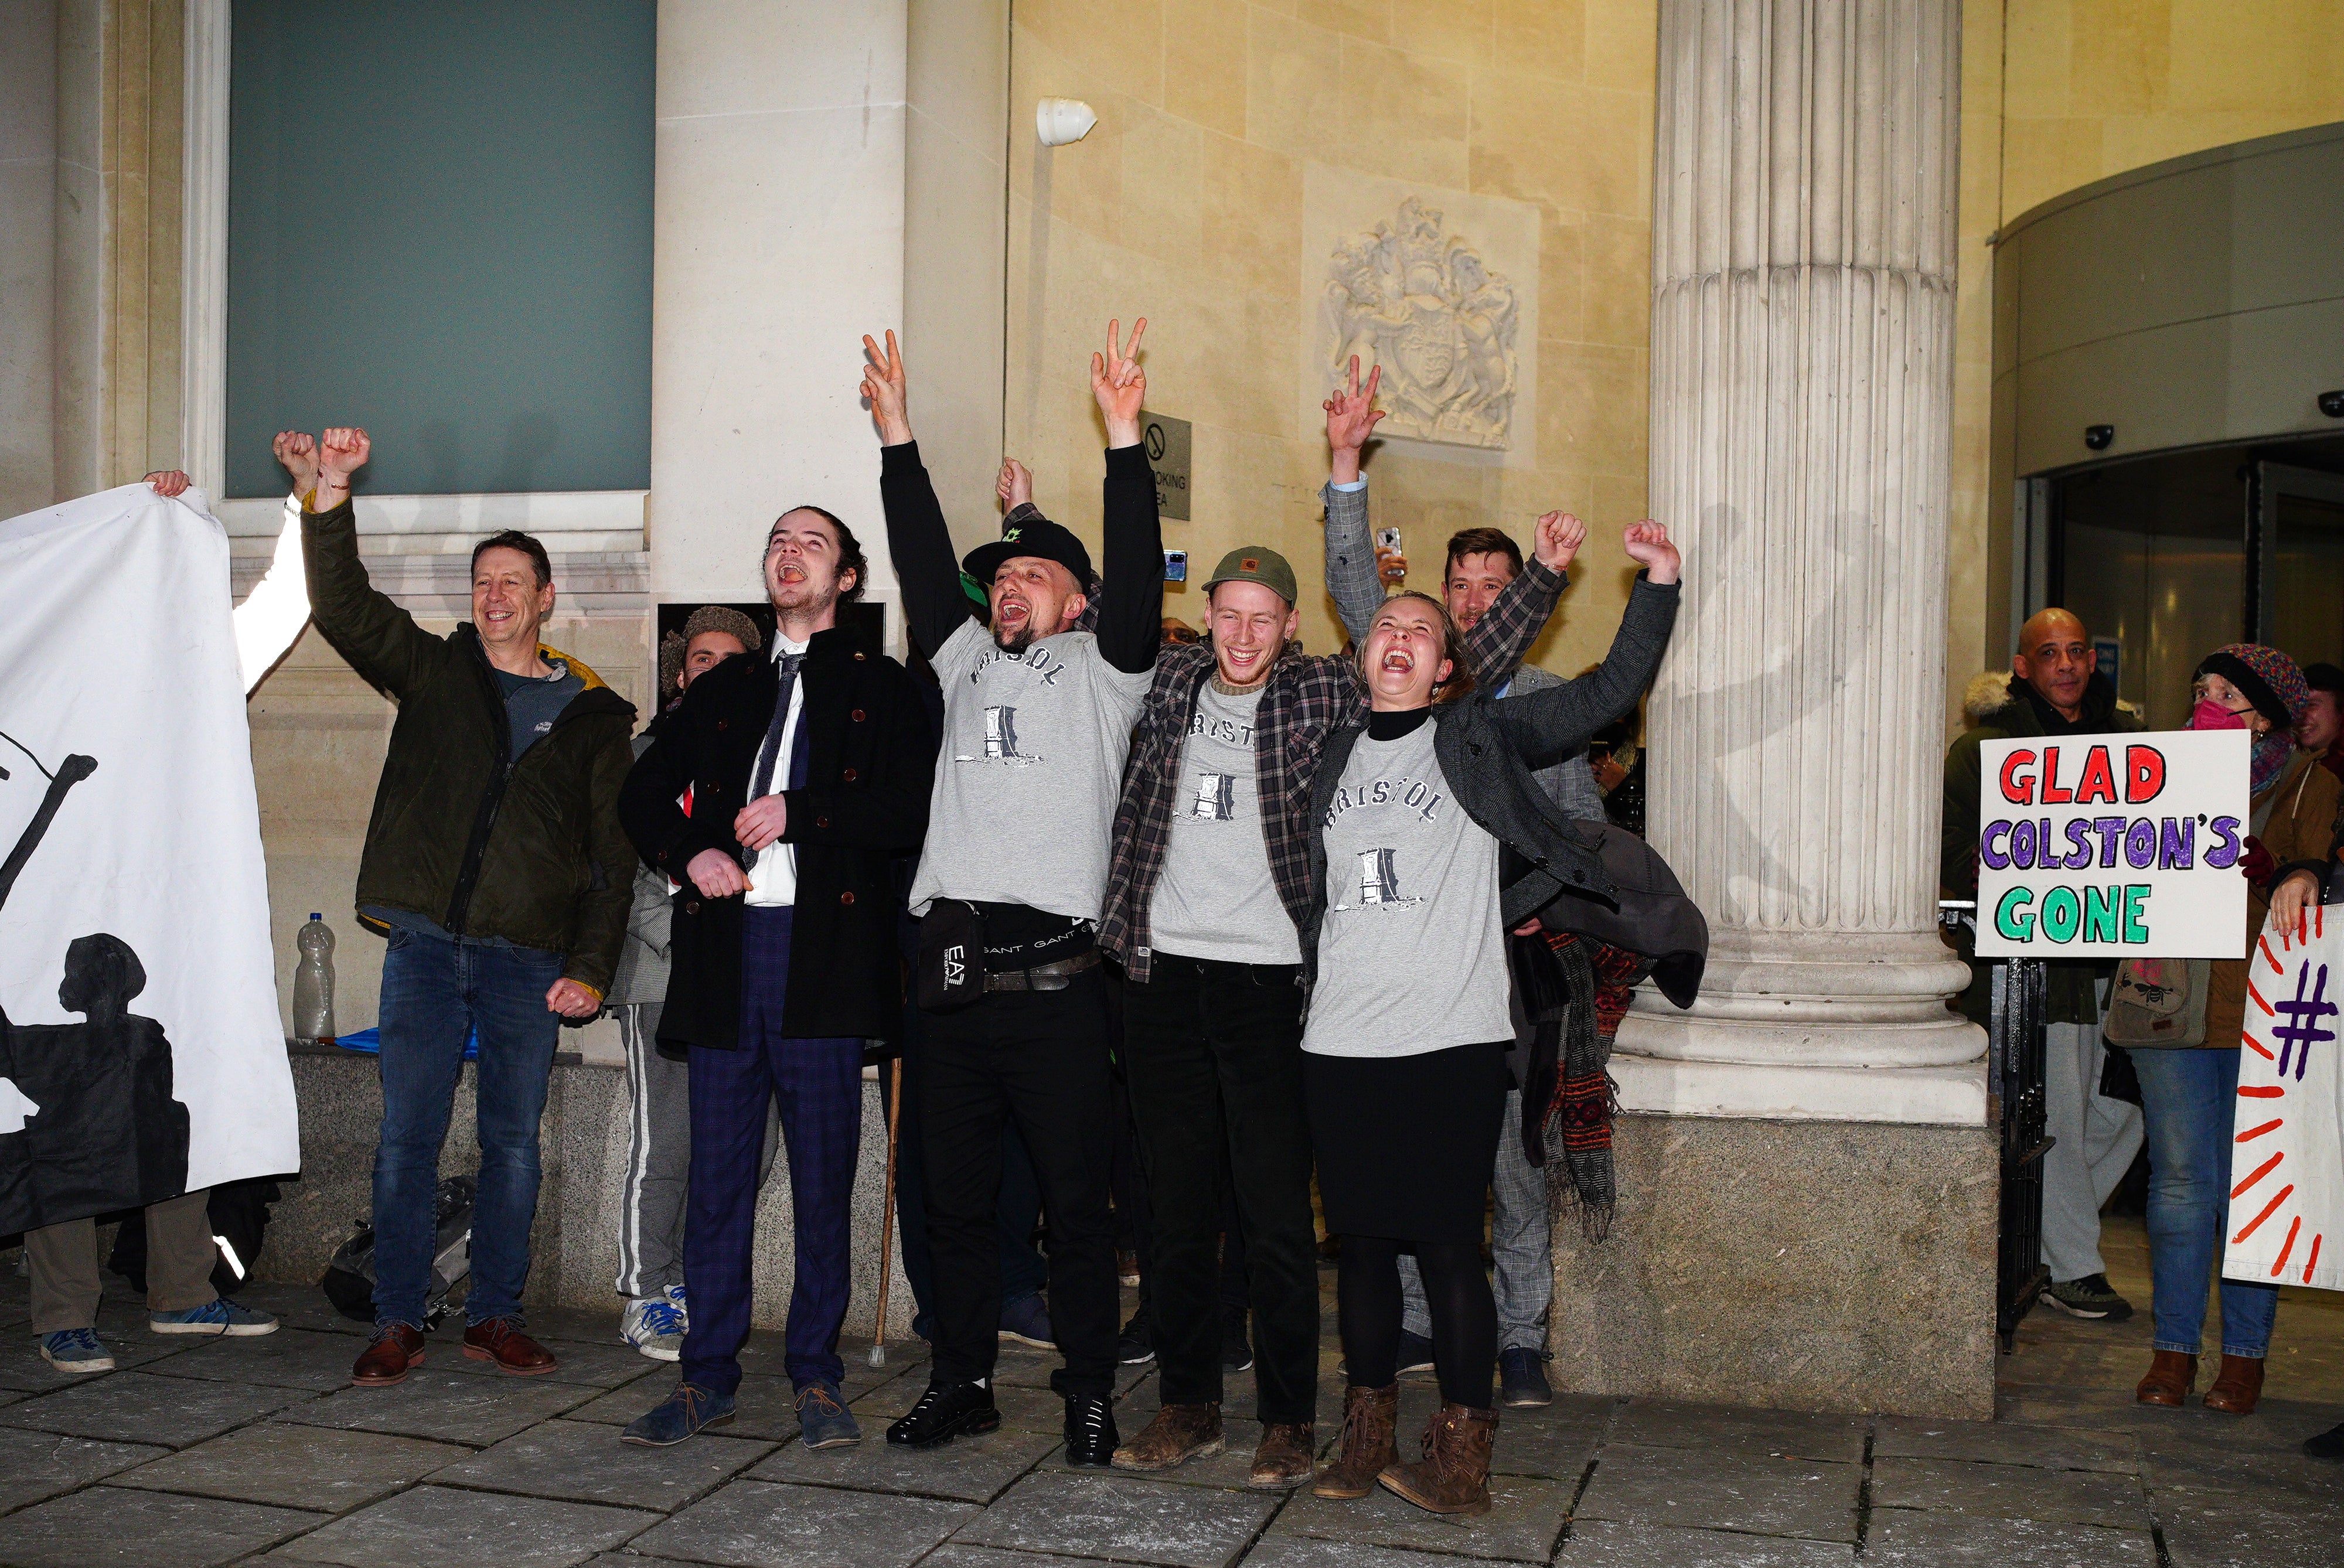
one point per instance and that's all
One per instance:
(313, 983)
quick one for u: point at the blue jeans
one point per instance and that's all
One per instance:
(2190, 1097)
(435, 990)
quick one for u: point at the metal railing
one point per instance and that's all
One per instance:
(2015, 1089)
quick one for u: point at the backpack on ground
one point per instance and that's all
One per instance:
(349, 1282)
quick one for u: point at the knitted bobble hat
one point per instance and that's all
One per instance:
(2265, 677)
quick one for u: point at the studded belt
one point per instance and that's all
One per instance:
(1054, 977)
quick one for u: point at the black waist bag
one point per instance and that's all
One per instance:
(952, 954)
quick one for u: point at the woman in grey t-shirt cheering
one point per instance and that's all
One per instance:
(1404, 1049)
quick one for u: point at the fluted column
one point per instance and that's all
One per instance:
(1802, 389)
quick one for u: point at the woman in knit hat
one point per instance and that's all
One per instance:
(2189, 1093)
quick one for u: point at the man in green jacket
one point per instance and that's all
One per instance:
(495, 867)
(2056, 690)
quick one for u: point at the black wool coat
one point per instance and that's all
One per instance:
(871, 758)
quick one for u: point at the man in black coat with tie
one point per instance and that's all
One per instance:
(807, 771)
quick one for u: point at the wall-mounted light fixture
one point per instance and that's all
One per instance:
(2097, 437)
(1061, 121)
(2333, 404)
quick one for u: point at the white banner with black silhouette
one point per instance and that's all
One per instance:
(141, 1054)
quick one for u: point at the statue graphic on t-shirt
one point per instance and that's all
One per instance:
(87, 1119)
(1001, 740)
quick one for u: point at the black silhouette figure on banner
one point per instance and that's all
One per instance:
(101, 1127)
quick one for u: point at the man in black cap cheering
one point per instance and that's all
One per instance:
(1037, 719)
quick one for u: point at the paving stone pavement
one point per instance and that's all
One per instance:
(201, 1452)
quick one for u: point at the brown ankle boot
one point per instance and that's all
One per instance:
(1370, 1416)
(2237, 1387)
(2171, 1375)
(1453, 1476)
(1177, 1434)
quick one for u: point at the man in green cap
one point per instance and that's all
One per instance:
(1208, 887)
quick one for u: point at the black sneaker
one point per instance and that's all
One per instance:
(946, 1410)
(1091, 1437)
(2089, 1297)
(2328, 1444)
(1237, 1345)
(1522, 1376)
(1415, 1353)
(1136, 1346)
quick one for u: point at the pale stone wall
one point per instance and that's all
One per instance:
(1188, 204)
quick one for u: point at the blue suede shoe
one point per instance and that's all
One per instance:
(678, 1416)
(75, 1351)
(822, 1421)
(217, 1316)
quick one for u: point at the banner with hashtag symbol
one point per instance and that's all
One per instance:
(2286, 1160)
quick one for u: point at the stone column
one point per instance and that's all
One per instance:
(1801, 389)
(1807, 1189)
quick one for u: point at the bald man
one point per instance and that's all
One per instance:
(2055, 689)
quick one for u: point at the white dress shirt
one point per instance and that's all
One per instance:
(774, 879)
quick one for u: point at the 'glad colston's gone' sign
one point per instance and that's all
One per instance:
(2113, 845)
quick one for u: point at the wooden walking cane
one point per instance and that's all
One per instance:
(887, 1208)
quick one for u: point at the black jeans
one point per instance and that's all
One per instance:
(1214, 1050)
(1039, 1058)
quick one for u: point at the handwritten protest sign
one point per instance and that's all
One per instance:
(2287, 1160)
(2123, 846)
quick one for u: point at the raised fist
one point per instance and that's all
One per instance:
(1016, 485)
(1560, 535)
(297, 454)
(1647, 543)
(341, 452)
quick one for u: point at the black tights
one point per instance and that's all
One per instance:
(1464, 1315)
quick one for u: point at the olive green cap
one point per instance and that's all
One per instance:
(1255, 563)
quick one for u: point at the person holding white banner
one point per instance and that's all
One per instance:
(62, 1258)
(2188, 1093)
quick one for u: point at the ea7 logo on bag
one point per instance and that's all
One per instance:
(955, 964)
(2287, 1160)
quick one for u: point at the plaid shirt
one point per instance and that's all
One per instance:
(1308, 697)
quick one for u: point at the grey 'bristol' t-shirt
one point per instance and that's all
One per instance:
(1026, 781)
(1410, 958)
(1214, 896)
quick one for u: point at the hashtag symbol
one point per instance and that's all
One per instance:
(2302, 1027)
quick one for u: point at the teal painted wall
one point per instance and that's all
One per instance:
(439, 228)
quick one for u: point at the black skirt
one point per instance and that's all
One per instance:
(1405, 1145)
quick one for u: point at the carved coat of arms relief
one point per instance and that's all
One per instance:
(1422, 304)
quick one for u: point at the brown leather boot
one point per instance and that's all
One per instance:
(394, 1348)
(1453, 1476)
(1369, 1417)
(2238, 1386)
(1177, 1434)
(500, 1340)
(1283, 1457)
(2171, 1375)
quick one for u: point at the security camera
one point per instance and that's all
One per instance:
(2098, 437)
(2333, 404)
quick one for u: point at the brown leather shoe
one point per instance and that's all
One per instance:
(1453, 1476)
(500, 1340)
(1283, 1456)
(2171, 1375)
(2238, 1386)
(394, 1348)
(1369, 1417)
(1177, 1434)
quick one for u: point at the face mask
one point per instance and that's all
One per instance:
(2209, 714)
